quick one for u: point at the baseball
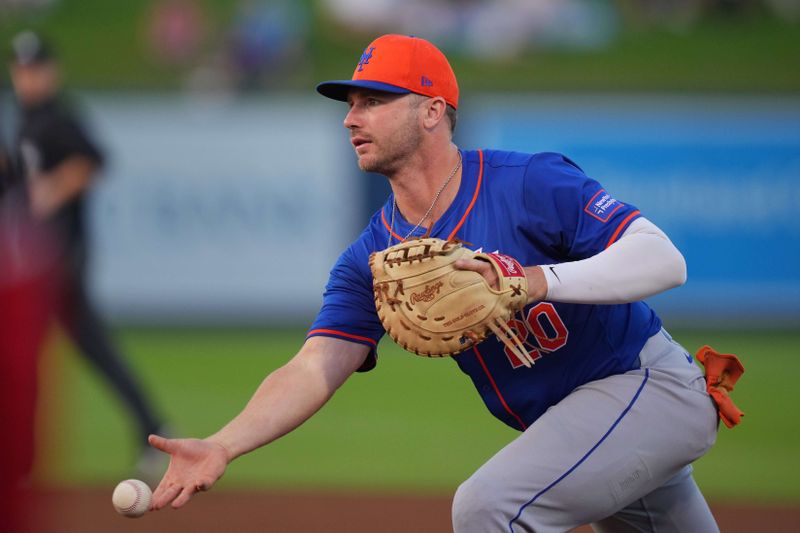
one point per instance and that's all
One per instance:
(132, 498)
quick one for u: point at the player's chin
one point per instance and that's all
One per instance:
(368, 163)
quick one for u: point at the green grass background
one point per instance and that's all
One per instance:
(413, 424)
(102, 46)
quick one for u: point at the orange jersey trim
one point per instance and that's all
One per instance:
(463, 218)
(395, 235)
(474, 196)
(497, 390)
(340, 334)
(621, 226)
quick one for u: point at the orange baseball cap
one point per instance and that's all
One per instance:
(399, 64)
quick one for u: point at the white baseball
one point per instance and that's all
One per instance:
(132, 498)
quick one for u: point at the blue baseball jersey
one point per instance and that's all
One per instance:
(540, 209)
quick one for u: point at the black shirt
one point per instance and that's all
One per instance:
(5, 165)
(5, 170)
(49, 134)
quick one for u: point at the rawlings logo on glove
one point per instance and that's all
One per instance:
(431, 308)
(428, 294)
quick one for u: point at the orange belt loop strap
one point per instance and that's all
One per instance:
(722, 372)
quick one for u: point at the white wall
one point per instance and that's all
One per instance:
(219, 210)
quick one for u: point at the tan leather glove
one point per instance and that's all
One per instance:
(432, 309)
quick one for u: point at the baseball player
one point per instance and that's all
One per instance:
(612, 413)
(58, 164)
(5, 167)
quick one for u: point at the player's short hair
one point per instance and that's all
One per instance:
(450, 112)
(452, 116)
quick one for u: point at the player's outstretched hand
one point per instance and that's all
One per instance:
(194, 466)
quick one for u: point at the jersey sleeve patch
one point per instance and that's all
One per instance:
(602, 206)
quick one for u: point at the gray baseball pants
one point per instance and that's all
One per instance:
(615, 453)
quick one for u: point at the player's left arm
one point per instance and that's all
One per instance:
(641, 263)
(574, 217)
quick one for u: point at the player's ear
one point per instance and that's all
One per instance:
(433, 112)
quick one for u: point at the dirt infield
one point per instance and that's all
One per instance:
(90, 511)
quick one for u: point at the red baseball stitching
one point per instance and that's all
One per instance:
(136, 489)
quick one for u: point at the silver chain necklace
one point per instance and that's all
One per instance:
(428, 212)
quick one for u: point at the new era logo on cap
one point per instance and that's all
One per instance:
(399, 64)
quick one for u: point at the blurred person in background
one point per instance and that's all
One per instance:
(487, 29)
(58, 164)
(5, 161)
(28, 273)
(267, 38)
(176, 31)
(28, 270)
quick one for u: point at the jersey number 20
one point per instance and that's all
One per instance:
(547, 328)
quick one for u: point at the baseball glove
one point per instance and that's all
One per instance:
(433, 309)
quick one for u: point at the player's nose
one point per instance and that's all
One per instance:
(351, 119)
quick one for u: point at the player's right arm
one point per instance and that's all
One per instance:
(285, 399)
(76, 163)
(68, 180)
